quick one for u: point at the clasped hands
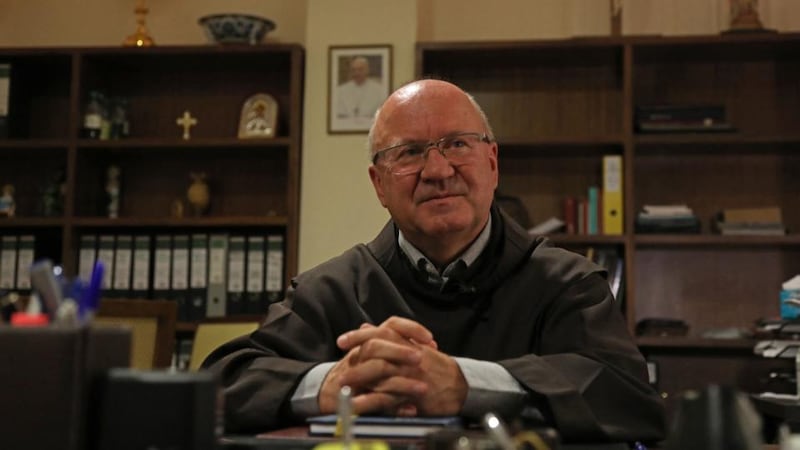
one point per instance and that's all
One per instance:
(394, 368)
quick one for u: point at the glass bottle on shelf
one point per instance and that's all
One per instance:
(119, 118)
(93, 116)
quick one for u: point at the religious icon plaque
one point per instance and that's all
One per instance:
(259, 117)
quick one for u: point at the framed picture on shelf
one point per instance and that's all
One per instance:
(359, 80)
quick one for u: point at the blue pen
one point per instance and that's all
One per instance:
(90, 299)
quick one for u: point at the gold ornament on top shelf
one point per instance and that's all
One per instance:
(259, 117)
(744, 16)
(140, 38)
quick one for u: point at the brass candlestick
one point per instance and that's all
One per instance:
(140, 38)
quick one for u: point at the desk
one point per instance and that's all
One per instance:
(297, 438)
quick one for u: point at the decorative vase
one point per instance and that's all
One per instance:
(198, 193)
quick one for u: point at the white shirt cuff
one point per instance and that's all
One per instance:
(305, 401)
(490, 388)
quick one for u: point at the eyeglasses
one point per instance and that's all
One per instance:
(408, 158)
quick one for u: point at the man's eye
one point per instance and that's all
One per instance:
(456, 143)
(410, 151)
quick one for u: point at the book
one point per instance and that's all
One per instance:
(593, 209)
(105, 254)
(25, 258)
(382, 426)
(273, 282)
(198, 277)
(237, 256)
(254, 286)
(123, 264)
(667, 210)
(140, 282)
(612, 211)
(216, 299)
(570, 215)
(770, 214)
(162, 267)
(8, 262)
(179, 284)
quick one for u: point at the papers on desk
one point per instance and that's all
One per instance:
(379, 426)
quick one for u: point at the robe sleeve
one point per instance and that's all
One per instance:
(258, 373)
(586, 373)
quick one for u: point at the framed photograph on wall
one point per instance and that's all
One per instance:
(359, 80)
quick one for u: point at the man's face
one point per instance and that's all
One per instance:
(442, 201)
(359, 70)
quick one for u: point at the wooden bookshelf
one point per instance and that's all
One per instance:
(558, 106)
(254, 183)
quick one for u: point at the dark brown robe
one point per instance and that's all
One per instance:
(543, 313)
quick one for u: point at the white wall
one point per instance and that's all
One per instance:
(338, 203)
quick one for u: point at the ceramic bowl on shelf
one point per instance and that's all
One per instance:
(236, 28)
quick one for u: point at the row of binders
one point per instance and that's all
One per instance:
(16, 259)
(208, 275)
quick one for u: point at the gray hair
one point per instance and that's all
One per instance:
(481, 113)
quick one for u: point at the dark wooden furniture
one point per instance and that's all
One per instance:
(254, 183)
(558, 106)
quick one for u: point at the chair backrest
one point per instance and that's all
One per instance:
(209, 336)
(152, 324)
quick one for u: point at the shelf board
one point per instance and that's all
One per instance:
(31, 222)
(716, 240)
(586, 239)
(159, 143)
(562, 141)
(226, 221)
(663, 139)
(34, 143)
(689, 343)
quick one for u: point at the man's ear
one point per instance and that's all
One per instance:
(493, 163)
(377, 183)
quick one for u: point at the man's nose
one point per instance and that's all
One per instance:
(435, 165)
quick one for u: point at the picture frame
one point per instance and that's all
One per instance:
(359, 80)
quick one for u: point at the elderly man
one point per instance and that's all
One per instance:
(451, 309)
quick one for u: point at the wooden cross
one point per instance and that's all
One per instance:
(187, 122)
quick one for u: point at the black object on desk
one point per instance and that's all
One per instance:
(716, 418)
(46, 378)
(138, 409)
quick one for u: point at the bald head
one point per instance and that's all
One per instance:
(411, 99)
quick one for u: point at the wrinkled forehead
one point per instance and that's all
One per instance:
(425, 115)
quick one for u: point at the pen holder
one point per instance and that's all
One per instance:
(46, 382)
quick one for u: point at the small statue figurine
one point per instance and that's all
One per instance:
(112, 190)
(176, 209)
(198, 194)
(7, 204)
